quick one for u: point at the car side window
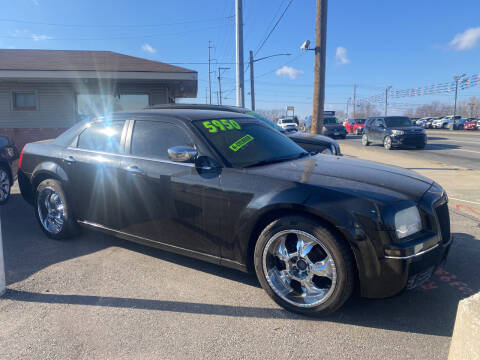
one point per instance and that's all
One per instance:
(379, 123)
(102, 136)
(154, 138)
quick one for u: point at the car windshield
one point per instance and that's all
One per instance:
(266, 121)
(360, 121)
(330, 120)
(287, 121)
(246, 142)
(398, 121)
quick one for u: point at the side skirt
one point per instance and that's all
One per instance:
(167, 247)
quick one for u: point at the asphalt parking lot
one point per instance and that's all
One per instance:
(459, 148)
(100, 297)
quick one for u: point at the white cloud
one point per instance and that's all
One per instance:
(40, 37)
(341, 56)
(467, 40)
(289, 71)
(148, 48)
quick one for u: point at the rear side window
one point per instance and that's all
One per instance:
(154, 138)
(102, 136)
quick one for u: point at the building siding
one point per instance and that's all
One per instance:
(56, 106)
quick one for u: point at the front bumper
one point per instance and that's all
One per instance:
(409, 140)
(387, 266)
(335, 133)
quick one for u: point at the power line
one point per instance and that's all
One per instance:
(274, 27)
(116, 25)
(31, 37)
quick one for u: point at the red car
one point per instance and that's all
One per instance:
(355, 126)
(470, 125)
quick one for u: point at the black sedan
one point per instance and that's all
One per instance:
(226, 188)
(8, 167)
(311, 142)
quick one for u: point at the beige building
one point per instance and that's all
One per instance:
(43, 92)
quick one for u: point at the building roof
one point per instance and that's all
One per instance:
(81, 60)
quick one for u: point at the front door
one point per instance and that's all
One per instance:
(168, 201)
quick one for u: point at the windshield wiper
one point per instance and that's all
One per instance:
(276, 160)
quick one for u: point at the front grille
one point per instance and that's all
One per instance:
(443, 219)
(413, 139)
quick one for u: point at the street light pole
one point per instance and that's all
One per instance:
(220, 84)
(386, 98)
(239, 53)
(252, 74)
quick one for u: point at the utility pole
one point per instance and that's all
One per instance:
(220, 83)
(354, 100)
(239, 52)
(457, 79)
(319, 70)
(252, 81)
(386, 98)
(209, 72)
(348, 101)
(206, 95)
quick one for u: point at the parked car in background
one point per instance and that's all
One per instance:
(440, 123)
(288, 124)
(226, 188)
(393, 131)
(427, 124)
(471, 124)
(457, 124)
(332, 127)
(8, 167)
(355, 126)
(313, 143)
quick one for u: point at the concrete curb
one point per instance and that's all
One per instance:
(465, 343)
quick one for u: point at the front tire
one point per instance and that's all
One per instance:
(387, 143)
(365, 141)
(5, 185)
(303, 266)
(53, 211)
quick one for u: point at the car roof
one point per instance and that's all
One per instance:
(179, 114)
(200, 107)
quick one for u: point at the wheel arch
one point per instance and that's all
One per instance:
(271, 215)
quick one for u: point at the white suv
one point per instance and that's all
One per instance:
(288, 124)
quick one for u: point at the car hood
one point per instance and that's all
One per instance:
(311, 138)
(359, 178)
(410, 129)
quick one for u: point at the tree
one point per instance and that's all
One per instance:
(366, 109)
(273, 114)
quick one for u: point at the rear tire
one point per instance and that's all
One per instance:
(303, 266)
(53, 211)
(5, 185)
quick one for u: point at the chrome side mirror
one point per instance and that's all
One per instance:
(182, 153)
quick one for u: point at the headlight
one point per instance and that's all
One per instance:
(407, 222)
(398, 132)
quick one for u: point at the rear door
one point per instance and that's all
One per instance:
(166, 201)
(92, 164)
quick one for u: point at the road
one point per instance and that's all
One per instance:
(459, 148)
(98, 297)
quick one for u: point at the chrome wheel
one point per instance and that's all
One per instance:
(4, 185)
(365, 140)
(50, 209)
(387, 143)
(299, 268)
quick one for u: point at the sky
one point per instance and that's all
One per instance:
(370, 43)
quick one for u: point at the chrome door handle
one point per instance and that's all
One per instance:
(69, 159)
(134, 170)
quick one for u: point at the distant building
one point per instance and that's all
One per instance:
(43, 92)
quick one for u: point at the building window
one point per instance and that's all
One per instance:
(24, 100)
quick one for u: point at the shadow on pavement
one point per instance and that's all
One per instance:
(427, 310)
